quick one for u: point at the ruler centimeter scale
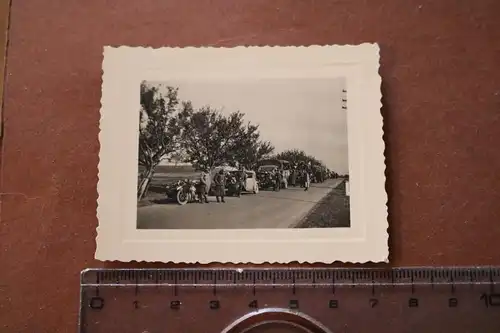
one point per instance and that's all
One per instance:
(314, 300)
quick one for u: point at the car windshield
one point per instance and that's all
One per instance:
(267, 167)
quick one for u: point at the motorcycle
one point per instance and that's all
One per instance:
(183, 192)
(233, 186)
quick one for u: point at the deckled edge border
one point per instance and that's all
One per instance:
(379, 145)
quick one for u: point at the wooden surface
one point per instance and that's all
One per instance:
(441, 108)
(4, 28)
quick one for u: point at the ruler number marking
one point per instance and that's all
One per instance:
(453, 302)
(253, 304)
(214, 305)
(491, 300)
(96, 303)
(373, 302)
(136, 304)
(413, 302)
(333, 304)
(175, 305)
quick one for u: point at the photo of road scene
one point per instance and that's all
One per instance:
(243, 154)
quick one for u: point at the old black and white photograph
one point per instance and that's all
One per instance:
(243, 154)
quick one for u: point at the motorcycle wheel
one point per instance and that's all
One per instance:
(182, 197)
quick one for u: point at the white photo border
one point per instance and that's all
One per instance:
(125, 67)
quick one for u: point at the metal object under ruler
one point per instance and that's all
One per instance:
(280, 300)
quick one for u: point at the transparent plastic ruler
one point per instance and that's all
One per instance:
(318, 300)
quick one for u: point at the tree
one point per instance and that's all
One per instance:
(250, 149)
(298, 156)
(158, 131)
(210, 138)
(259, 151)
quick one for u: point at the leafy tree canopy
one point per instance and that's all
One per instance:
(209, 138)
(158, 131)
(297, 156)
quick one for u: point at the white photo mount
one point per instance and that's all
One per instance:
(118, 239)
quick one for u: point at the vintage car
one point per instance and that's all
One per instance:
(266, 176)
(250, 184)
(267, 170)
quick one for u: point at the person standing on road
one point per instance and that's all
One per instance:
(277, 180)
(220, 185)
(293, 177)
(242, 177)
(202, 187)
(306, 179)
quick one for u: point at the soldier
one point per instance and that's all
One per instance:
(277, 180)
(220, 185)
(305, 179)
(293, 176)
(202, 187)
(242, 177)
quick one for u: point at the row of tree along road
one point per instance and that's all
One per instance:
(205, 138)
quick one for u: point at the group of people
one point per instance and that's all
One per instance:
(299, 175)
(302, 176)
(219, 180)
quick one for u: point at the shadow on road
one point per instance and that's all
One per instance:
(164, 201)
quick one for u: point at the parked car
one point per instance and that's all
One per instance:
(269, 166)
(266, 176)
(251, 182)
(233, 184)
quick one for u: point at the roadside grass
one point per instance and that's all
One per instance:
(155, 194)
(331, 212)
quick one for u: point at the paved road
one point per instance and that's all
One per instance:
(267, 209)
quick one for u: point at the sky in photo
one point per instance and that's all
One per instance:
(303, 114)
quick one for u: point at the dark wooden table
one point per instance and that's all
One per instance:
(441, 86)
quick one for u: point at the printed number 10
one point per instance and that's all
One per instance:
(491, 299)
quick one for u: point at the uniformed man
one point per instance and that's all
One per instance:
(293, 176)
(202, 188)
(277, 180)
(303, 178)
(242, 177)
(307, 180)
(220, 186)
